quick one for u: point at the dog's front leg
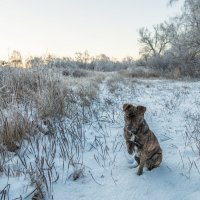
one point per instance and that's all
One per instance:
(130, 148)
(142, 163)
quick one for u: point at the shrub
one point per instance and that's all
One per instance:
(79, 73)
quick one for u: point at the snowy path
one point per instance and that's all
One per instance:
(167, 102)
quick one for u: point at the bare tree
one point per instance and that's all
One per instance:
(16, 58)
(171, 2)
(156, 42)
(191, 19)
(128, 62)
(185, 39)
(103, 63)
(175, 44)
(34, 62)
(82, 59)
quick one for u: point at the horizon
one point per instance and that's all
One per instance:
(64, 27)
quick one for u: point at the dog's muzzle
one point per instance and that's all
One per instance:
(131, 130)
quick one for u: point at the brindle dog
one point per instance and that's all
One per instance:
(140, 139)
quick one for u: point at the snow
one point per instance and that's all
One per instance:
(108, 169)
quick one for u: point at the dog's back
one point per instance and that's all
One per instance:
(150, 145)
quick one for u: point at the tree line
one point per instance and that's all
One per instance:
(174, 44)
(81, 60)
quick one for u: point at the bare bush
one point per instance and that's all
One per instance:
(192, 141)
(65, 73)
(79, 73)
(141, 73)
(4, 193)
(14, 130)
(51, 102)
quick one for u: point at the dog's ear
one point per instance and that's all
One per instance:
(141, 109)
(126, 106)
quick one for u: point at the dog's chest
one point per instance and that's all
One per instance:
(136, 151)
(135, 147)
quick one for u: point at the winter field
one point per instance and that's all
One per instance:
(61, 136)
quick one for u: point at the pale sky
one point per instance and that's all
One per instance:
(63, 27)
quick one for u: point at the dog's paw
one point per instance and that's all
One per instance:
(140, 172)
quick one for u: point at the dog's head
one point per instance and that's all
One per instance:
(134, 117)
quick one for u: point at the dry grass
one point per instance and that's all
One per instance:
(34, 105)
(146, 73)
(51, 101)
(14, 130)
(113, 83)
(29, 96)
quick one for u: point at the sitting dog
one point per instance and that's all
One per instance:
(140, 139)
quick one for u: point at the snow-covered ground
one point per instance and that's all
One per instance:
(173, 112)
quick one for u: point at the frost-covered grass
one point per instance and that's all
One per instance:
(71, 143)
